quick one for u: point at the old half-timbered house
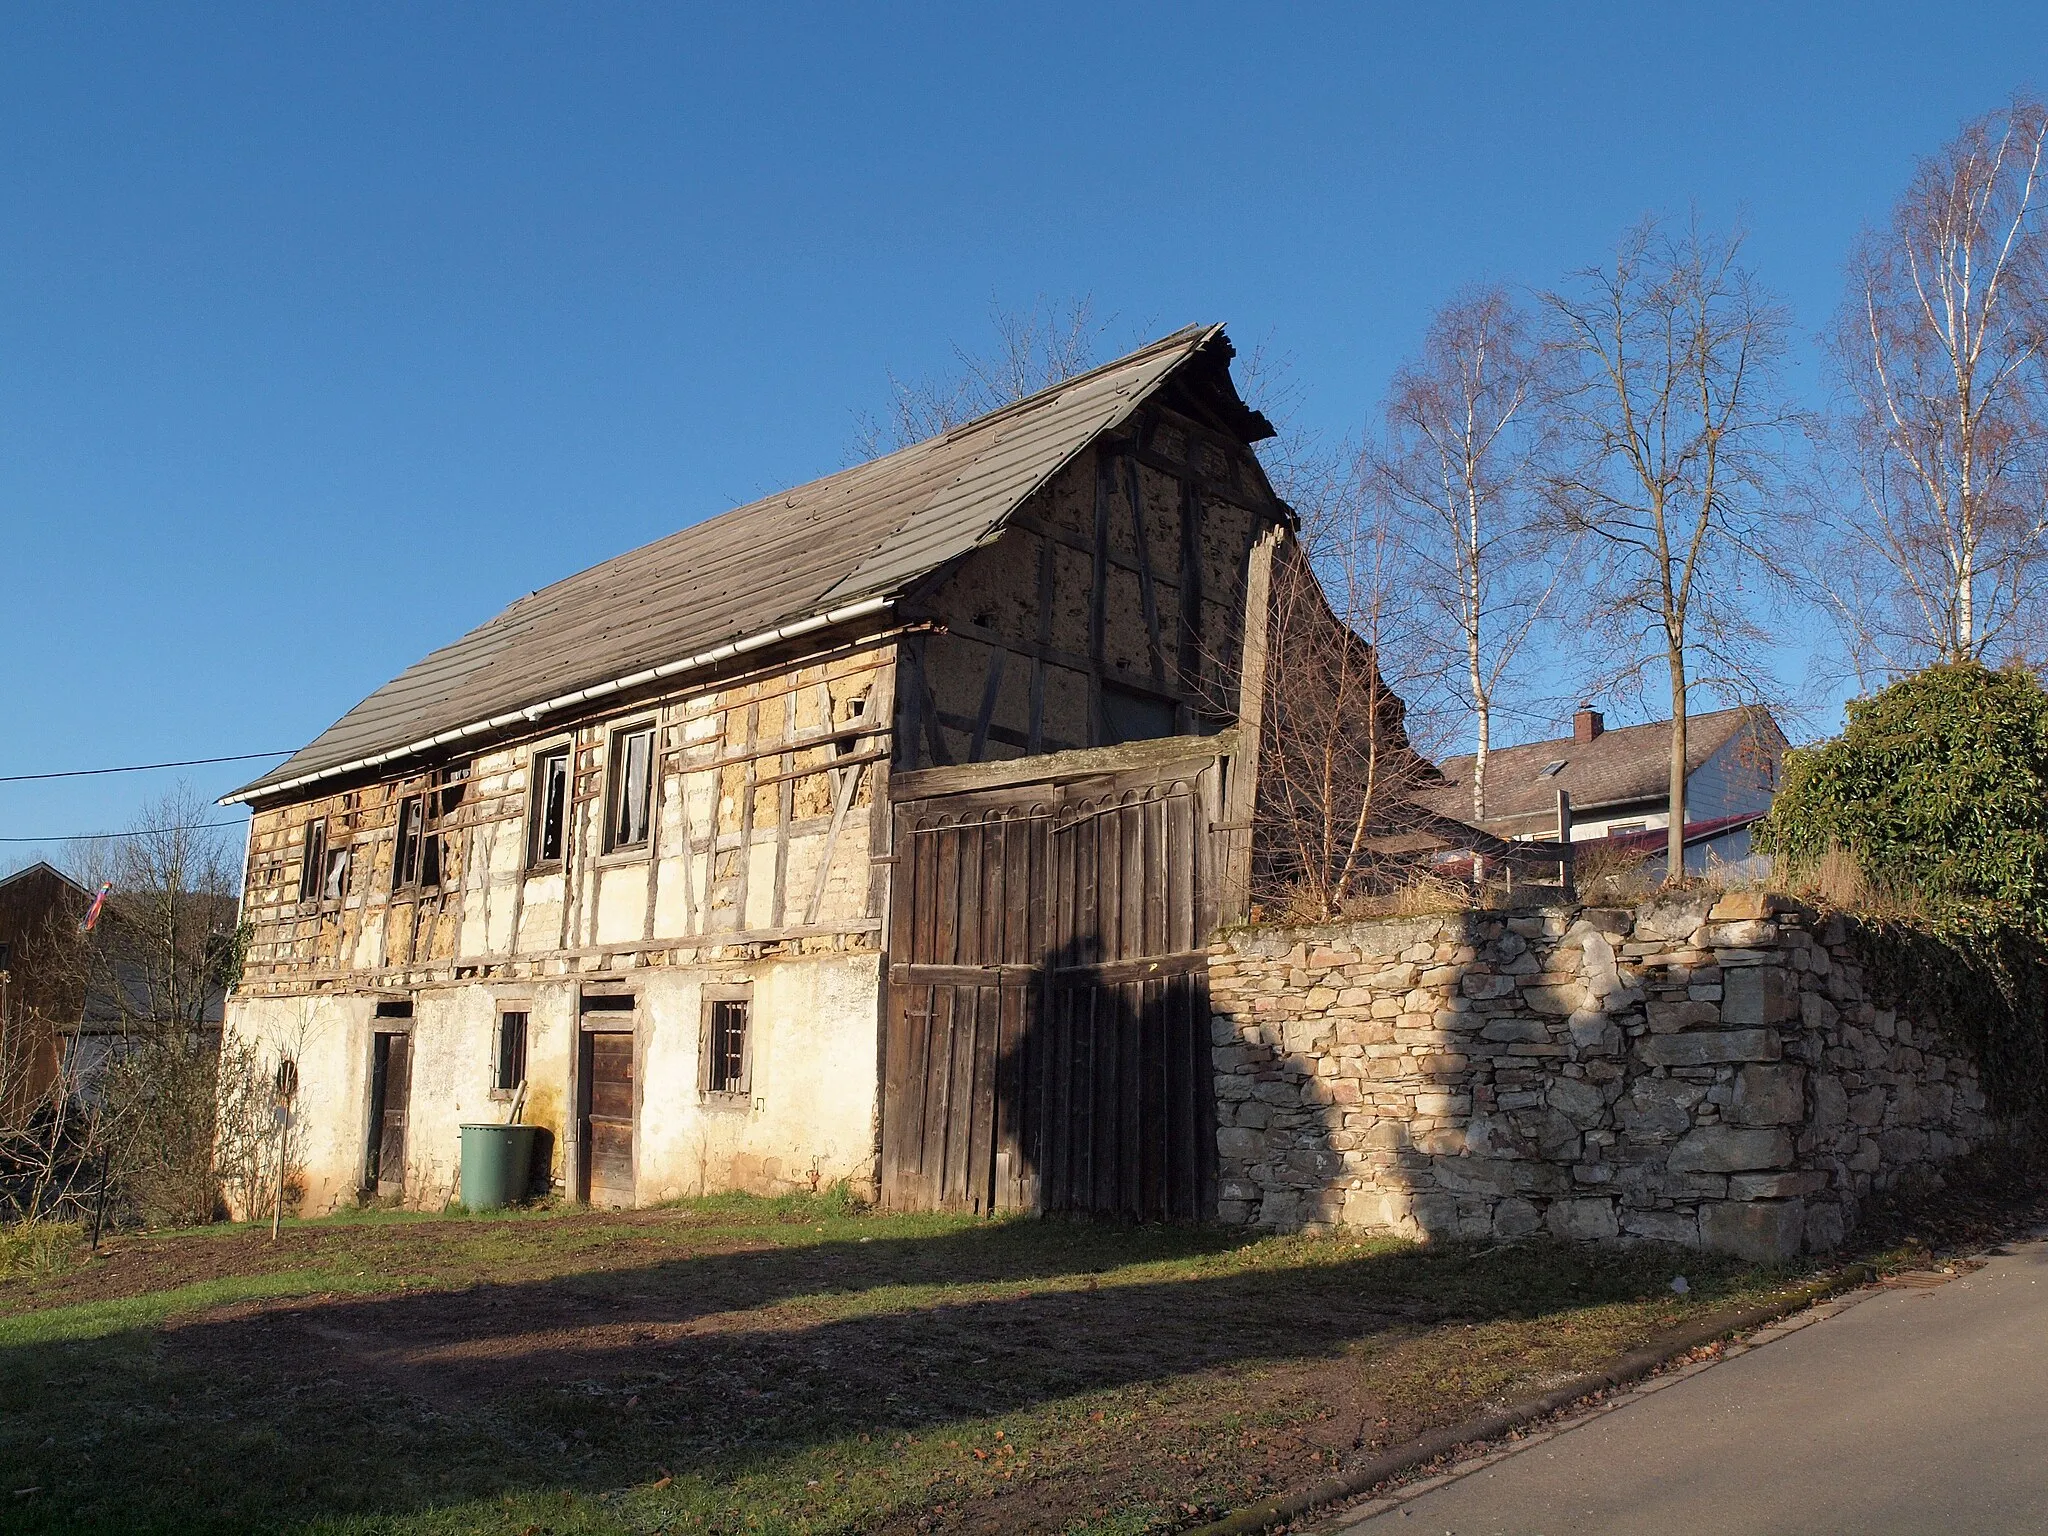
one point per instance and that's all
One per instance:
(873, 832)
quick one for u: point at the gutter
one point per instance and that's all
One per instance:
(531, 713)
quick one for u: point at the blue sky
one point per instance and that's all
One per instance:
(325, 332)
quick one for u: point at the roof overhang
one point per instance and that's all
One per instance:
(533, 714)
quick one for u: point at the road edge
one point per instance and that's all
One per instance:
(1623, 1370)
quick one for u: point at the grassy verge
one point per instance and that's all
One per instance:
(752, 1366)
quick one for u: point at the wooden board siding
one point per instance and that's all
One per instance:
(1048, 1026)
(607, 1129)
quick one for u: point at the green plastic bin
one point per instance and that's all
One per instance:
(497, 1165)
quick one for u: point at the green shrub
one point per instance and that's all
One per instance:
(1939, 785)
(1936, 794)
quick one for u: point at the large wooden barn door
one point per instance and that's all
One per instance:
(1048, 1043)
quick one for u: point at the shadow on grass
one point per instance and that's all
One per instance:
(714, 1367)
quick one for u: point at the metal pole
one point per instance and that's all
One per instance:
(277, 1210)
(99, 1210)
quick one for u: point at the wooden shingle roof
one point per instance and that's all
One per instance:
(824, 553)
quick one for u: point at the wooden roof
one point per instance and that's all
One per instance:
(826, 552)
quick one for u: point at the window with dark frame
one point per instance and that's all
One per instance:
(632, 788)
(313, 861)
(409, 856)
(511, 1050)
(726, 1060)
(550, 807)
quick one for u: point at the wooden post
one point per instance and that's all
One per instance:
(1241, 790)
(1564, 838)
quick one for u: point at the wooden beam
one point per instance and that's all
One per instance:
(1083, 762)
(847, 788)
(991, 688)
(1241, 793)
(1034, 734)
(1147, 601)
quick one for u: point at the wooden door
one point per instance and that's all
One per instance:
(1048, 1027)
(607, 1118)
(390, 1103)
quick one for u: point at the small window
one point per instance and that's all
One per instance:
(607, 1002)
(727, 1051)
(313, 861)
(632, 786)
(1133, 716)
(550, 807)
(1624, 828)
(409, 856)
(395, 1008)
(511, 1051)
(1550, 769)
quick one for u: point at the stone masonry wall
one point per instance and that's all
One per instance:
(1698, 1070)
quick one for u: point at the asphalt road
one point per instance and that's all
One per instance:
(1911, 1412)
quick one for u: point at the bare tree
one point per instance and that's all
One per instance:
(1671, 437)
(1459, 460)
(152, 975)
(1942, 431)
(1336, 763)
(1034, 349)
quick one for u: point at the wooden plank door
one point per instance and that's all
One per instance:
(607, 1118)
(1121, 1105)
(968, 930)
(390, 1105)
(1048, 1020)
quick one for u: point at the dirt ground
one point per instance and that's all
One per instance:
(747, 1371)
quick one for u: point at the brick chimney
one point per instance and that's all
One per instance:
(1587, 723)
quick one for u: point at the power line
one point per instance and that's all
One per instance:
(86, 773)
(92, 837)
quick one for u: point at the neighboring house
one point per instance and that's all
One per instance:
(1618, 781)
(61, 1009)
(874, 831)
(39, 1003)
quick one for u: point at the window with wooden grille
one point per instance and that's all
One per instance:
(632, 788)
(727, 1049)
(511, 1050)
(549, 830)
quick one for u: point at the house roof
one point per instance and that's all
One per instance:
(46, 870)
(825, 553)
(1622, 764)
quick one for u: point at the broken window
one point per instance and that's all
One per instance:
(632, 786)
(334, 882)
(726, 1050)
(313, 860)
(511, 1050)
(550, 807)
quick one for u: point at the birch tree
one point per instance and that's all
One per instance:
(1941, 433)
(1459, 461)
(1671, 436)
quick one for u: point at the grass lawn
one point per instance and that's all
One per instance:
(747, 1366)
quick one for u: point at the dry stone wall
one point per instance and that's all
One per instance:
(1700, 1070)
